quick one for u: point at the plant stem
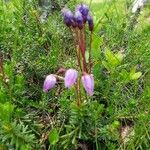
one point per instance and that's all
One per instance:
(90, 61)
(75, 39)
(59, 77)
(79, 91)
(82, 49)
(71, 133)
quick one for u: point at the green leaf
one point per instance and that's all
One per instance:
(135, 76)
(109, 55)
(125, 76)
(96, 52)
(105, 64)
(7, 110)
(96, 43)
(119, 56)
(87, 56)
(133, 71)
(53, 136)
(113, 59)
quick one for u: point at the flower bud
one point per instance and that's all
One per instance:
(68, 17)
(74, 23)
(84, 10)
(88, 83)
(79, 19)
(49, 82)
(90, 22)
(70, 77)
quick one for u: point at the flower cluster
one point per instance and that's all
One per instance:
(70, 79)
(79, 19)
(77, 24)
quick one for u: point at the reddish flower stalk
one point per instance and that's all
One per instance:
(75, 39)
(78, 92)
(90, 59)
(78, 47)
(81, 43)
(82, 49)
(84, 45)
(84, 38)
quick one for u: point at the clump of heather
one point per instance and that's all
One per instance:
(78, 22)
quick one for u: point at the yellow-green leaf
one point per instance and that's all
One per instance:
(53, 136)
(135, 76)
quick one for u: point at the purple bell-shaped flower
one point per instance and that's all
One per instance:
(49, 82)
(88, 83)
(70, 77)
(79, 19)
(90, 22)
(84, 10)
(68, 17)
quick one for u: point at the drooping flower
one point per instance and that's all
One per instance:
(79, 19)
(84, 10)
(70, 77)
(90, 22)
(88, 83)
(49, 82)
(74, 23)
(68, 17)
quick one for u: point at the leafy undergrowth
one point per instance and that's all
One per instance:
(115, 117)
